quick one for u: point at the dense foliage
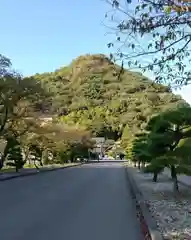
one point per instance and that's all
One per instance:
(24, 133)
(91, 93)
(90, 97)
(165, 144)
(14, 156)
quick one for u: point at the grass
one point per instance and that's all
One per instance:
(8, 169)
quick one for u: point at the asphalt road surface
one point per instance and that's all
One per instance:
(91, 202)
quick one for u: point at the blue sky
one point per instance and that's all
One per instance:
(42, 35)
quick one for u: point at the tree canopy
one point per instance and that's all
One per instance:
(153, 36)
(166, 143)
(91, 97)
(90, 93)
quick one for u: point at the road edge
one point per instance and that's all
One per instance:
(38, 172)
(148, 223)
(179, 181)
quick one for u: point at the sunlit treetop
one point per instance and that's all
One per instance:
(153, 35)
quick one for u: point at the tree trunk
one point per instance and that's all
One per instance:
(72, 159)
(45, 160)
(3, 158)
(4, 121)
(41, 160)
(155, 176)
(26, 157)
(36, 166)
(139, 165)
(17, 167)
(175, 180)
(1, 163)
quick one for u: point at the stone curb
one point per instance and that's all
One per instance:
(37, 172)
(148, 223)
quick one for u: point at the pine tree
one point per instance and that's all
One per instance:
(169, 143)
(129, 155)
(14, 156)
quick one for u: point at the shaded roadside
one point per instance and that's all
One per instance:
(183, 179)
(6, 175)
(172, 215)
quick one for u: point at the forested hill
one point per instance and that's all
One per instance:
(89, 92)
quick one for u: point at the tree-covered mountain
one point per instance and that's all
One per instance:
(97, 94)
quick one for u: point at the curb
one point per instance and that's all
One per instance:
(37, 172)
(184, 184)
(147, 222)
(179, 181)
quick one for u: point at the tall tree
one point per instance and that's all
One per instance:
(15, 157)
(167, 130)
(17, 98)
(18, 102)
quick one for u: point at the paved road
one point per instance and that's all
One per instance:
(92, 202)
